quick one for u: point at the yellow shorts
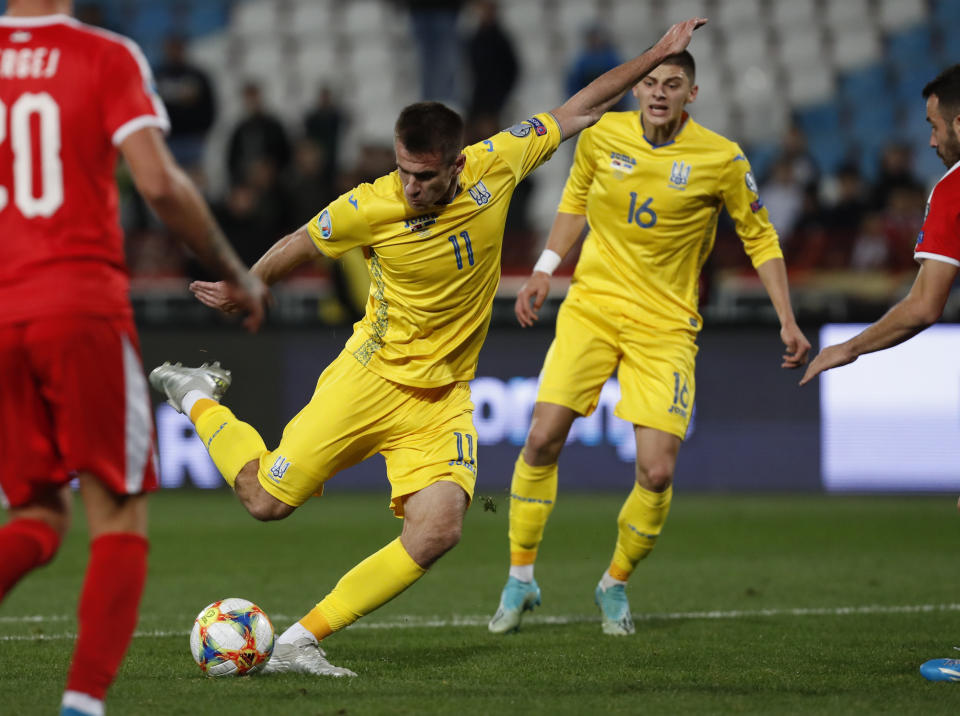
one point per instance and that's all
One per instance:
(426, 435)
(656, 368)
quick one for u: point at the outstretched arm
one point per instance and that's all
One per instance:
(566, 229)
(773, 275)
(175, 199)
(918, 310)
(279, 260)
(587, 105)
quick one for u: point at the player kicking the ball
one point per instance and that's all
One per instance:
(432, 232)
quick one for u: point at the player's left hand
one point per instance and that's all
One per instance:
(229, 298)
(798, 347)
(829, 357)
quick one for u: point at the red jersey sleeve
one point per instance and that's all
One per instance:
(939, 237)
(131, 100)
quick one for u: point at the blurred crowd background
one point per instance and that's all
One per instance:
(277, 106)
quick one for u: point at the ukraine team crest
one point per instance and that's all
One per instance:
(479, 193)
(680, 175)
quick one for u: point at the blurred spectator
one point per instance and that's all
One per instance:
(783, 196)
(324, 124)
(258, 136)
(870, 252)
(903, 218)
(188, 95)
(794, 150)
(309, 186)
(438, 45)
(493, 66)
(597, 55)
(896, 172)
(847, 212)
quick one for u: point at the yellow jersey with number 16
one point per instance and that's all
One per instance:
(433, 274)
(653, 211)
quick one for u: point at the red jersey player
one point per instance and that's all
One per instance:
(938, 251)
(74, 401)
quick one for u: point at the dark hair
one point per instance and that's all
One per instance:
(685, 61)
(427, 127)
(946, 86)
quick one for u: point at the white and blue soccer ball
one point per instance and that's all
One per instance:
(231, 637)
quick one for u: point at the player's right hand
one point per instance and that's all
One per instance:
(678, 37)
(530, 298)
(250, 296)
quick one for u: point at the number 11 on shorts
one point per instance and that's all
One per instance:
(470, 462)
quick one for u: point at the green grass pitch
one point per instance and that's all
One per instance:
(749, 605)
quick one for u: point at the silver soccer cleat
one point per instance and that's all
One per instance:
(302, 657)
(175, 381)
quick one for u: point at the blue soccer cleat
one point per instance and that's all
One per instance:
(941, 670)
(615, 609)
(517, 597)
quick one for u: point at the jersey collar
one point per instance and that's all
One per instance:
(33, 20)
(683, 124)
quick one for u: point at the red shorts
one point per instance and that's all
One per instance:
(73, 398)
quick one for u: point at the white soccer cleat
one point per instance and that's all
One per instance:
(302, 657)
(175, 381)
(517, 597)
(614, 609)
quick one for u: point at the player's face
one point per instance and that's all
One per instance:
(428, 179)
(663, 94)
(943, 133)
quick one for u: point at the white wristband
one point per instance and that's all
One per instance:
(548, 262)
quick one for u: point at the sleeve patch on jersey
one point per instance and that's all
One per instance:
(919, 239)
(538, 126)
(756, 206)
(751, 182)
(520, 130)
(324, 224)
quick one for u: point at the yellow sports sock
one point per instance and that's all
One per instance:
(532, 494)
(369, 585)
(640, 521)
(230, 442)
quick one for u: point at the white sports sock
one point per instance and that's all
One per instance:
(191, 398)
(295, 632)
(523, 572)
(84, 703)
(606, 581)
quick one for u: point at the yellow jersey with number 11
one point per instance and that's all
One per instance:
(653, 211)
(433, 274)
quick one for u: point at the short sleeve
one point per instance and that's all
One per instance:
(341, 226)
(129, 98)
(574, 199)
(741, 196)
(939, 237)
(528, 144)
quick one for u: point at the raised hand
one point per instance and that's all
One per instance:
(678, 37)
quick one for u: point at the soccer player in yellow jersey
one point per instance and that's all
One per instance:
(650, 188)
(432, 233)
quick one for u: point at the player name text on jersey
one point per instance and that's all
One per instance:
(35, 62)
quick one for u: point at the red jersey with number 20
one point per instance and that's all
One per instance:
(939, 237)
(69, 95)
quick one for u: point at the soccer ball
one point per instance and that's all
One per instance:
(231, 637)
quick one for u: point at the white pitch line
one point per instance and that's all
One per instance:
(419, 622)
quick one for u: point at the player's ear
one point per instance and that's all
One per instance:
(693, 93)
(459, 163)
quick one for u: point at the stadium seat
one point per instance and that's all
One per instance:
(636, 26)
(365, 20)
(801, 46)
(750, 50)
(864, 85)
(738, 17)
(895, 14)
(255, 18)
(855, 47)
(206, 18)
(811, 86)
(910, 45)
(211, 52)
(263, 58)
(680, 10)
(911, 79)
(311, 20)
(819, 119)
(847, 14)
(316, 61)
(788, 15)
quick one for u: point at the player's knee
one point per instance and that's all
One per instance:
(543, 446)
(656, 475)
